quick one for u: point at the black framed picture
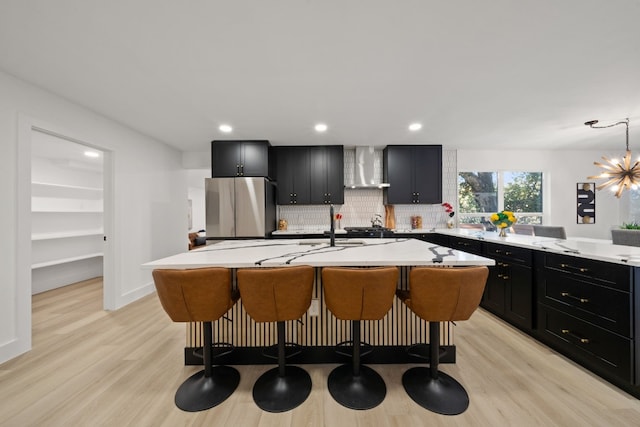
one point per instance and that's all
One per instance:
(586, 203)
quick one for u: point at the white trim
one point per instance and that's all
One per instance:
(137, 293)
(21, 342)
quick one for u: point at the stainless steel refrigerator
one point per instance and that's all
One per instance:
(240, 207)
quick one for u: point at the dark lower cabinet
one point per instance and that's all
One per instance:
(586, 311)
(494, 291)
(509, 289)
(606, 353)
(438, 239)
(466, 245)
(583, 308)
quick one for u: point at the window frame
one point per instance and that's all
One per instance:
(500, 182)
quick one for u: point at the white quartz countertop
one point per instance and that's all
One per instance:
(294, 233)
(320, 232)
(318, 253)
(596, 249)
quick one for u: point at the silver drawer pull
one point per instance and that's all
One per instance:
(568, 295)
(582, 340)
(580, 269)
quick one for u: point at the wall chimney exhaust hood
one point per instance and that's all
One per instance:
(365, 173)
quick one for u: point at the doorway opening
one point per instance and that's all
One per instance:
(67, 206)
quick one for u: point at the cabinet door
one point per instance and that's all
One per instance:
(284, 175)
(292, 165)
(317, 175)
(335, 174)
(254, 158)
(519, 296)
(397, 172)
(427, 173)
(494, 291)
(326, 170)
(239, 158)
(225, 159)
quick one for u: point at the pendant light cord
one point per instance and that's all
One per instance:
(592, 124)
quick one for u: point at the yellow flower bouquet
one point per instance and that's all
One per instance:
(503, 220)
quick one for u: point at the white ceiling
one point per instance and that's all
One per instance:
(477, 74)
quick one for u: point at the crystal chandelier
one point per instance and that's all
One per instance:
(620, 175)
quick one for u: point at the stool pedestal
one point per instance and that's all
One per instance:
(283, 388)
(356, 386)
(209, 387)
(432, 389)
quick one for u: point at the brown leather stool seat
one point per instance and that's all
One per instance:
(278, 295)
(441, 295)
(200, 295)
(357, 294)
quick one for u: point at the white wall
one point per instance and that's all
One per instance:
(563, 170)
(149, 210)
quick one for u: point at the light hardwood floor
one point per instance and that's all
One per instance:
(94, 368)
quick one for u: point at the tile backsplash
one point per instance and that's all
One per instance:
(360, 205)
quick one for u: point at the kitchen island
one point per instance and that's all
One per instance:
(318, 332)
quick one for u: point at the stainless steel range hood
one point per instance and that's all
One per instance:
(365, 173)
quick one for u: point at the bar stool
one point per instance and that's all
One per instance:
(357, 294)
(278, 295)
(200, 295)
(439, 295)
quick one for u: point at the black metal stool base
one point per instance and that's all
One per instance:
(275, 393)
(364, 391)
(443, 395)
(198, 392)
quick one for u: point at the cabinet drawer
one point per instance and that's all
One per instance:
(596, 348)
(513, 253)
(466, 245)
(605, 273)
(606, 307)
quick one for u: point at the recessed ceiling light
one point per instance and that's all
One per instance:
(415, 126)
(92, 154)
(321, 127)
(225, 128)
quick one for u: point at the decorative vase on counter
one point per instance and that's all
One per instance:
(503, 220)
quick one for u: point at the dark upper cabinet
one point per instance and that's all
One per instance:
(239, 158)
(326, 174)
(310, 175)
(414, 173)
(292, 172)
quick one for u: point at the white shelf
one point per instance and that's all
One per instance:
(66, 210)
(65, 260)
(45, 189)
(66, 224)
(66, 234)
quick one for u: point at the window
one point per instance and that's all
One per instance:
(482, 193)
